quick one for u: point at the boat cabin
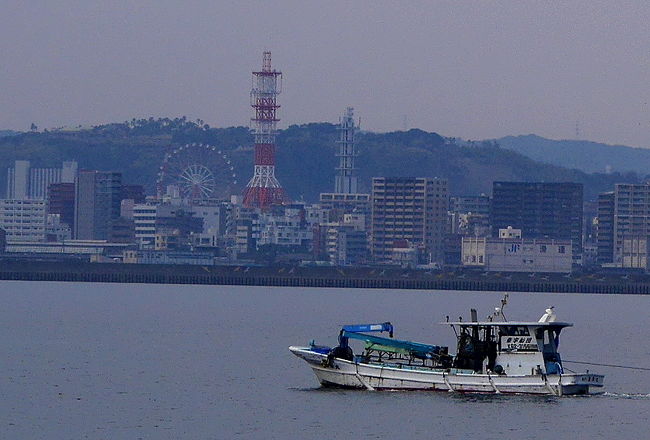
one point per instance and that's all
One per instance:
(510, 348)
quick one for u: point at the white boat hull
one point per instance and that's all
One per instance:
(343, 373)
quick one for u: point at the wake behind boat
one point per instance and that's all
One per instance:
(491, 357)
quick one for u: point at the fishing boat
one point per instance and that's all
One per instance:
(493, 356)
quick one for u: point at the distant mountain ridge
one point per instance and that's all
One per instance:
(306, 156)
(591, 157)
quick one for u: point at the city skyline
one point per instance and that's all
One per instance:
(461, 69)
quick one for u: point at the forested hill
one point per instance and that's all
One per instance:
(305, 160)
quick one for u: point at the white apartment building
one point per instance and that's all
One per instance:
(286, 230)
(23, 220)
(315, 214)
(146, 214)
(346, 242)
(144, 219)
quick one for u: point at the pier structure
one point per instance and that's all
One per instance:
(365, 278)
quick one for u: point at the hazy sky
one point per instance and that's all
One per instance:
(475, 70)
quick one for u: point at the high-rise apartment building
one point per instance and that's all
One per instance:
(97, 204)
(623, 214)
(412, 209)
(540, 210)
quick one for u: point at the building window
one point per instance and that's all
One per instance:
(542, 248)
(561, 249)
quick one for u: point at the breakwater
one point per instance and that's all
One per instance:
(288, 276)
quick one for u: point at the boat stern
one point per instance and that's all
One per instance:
(580, 383)
(588, 379)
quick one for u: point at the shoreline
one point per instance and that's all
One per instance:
(333, 277)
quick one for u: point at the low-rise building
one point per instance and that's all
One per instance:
(518, 254)
(56, 230)
(289, 229)
(405, 255)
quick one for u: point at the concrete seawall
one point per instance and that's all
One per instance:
(367, 278)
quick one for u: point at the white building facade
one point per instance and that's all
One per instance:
(23, 220)
(517, 254)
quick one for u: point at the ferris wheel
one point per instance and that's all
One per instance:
(197, 171)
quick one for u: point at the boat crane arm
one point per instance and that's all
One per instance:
(382, 327)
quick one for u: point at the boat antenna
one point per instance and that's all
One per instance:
(504, 302)
(453, 327)
(498, 311)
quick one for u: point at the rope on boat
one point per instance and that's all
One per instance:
(629, 367)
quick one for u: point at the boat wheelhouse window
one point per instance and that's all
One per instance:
(514, 330)
(549, 337)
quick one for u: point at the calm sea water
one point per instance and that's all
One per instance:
(108, 361)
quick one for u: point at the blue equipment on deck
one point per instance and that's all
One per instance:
(415, 348)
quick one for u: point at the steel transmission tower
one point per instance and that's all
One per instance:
(264, 190)
(346, 179)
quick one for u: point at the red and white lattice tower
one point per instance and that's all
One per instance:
(264, 190)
